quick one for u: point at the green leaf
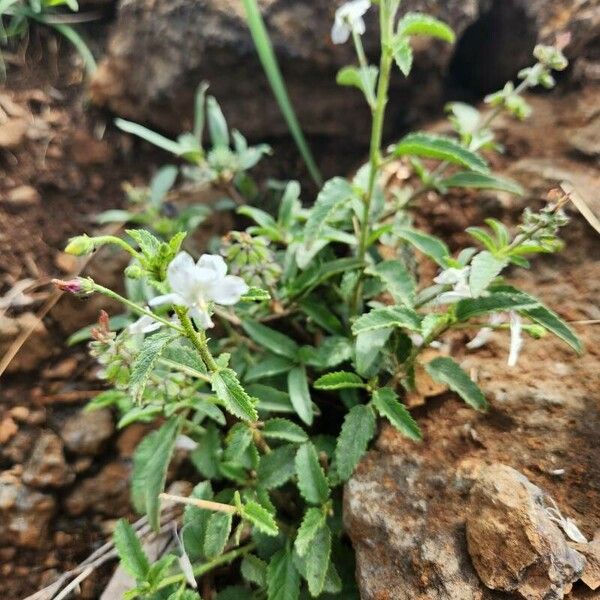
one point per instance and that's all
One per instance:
(276, 342)
(161, 183)
(403, 54)
(484, 181)
(226, 386)
(429, 245)
(218, 530)
(150, 462)
(217, 125)
(269, 367)
(485, 267)
(261, 518)
(363, 78)
(264, 219)
(496, 302)
(312, 482)
(445, 370)
(397, 280)
(255, 294)
(144, 363)
(271, 399)
(312, 522)
(239, 438)
(283, 579)
(356, 433)
(330, 352)
(132, 556)
(195, 521)
(428, 145)
(276, 467)
(368, 348)
(317, 561)
(148, 135)
(282, 429)
(384, 318)
(387, 404)
(420, 24)
(300, 394)
(254, 570)
(335, 193)
(339, 380)
(322, 316)
(206, 456)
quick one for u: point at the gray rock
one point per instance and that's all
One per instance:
(25, 514)
(47, 466)
(514, 545)
(86, 432)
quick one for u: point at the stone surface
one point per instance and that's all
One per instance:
(47, 466)
(107, 492)
(591, 553)
(23, 196)
(513, 543)
(13, 132)
(86, 432)
(25, 514)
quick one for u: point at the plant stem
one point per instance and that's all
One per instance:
(200, 570)
(117, 241)
(198, 339)
(134, 307)
(198, 503)
(386, 20)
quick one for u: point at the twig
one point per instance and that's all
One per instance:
(83, 575)
(204, 504)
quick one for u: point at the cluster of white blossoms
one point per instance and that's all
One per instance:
(349, 18)
(196, 286)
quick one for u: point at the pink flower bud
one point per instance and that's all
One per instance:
(77, 286)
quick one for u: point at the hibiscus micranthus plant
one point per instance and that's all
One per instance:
(271, 362)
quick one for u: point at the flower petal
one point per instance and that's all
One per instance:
(180, 273)
(213, 262)
(516, 339)
(340, 32)
(167, 299)
(227, 291)
(145, 324)
(201, 318)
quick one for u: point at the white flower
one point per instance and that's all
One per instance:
(459, 280)
(197, 285)
(516, 339)
(145, 324)
(484, 335)
(348, 18)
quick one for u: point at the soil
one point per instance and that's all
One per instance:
(76, 163)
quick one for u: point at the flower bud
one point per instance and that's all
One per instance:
(80, 245)
(134, 272)
(78, 286)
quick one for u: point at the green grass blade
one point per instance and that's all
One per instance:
(269, 62)
(69, 33)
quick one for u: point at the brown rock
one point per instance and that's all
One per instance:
(19, 447)
(514, 545)
(106, 493)
(25, 514)
(47, 466)
(86, 432)
(8, 428)
(23, 195)
(19, 413)
(130, 438)
(12, 133)
(63, 370)
(591, 572)
(586, 140)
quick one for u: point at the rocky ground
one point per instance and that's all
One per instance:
(422, 518)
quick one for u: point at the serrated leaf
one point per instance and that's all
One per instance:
(228, 389)
(339, 380)
(144, 363)
(403, 54)
(368, 347)
(239, 438)
(413, 23)
(300, 394)
(428, 145)
(150, 462)
(195, 521)
(429, 245)
(283, 579)
(255, 294)
(387, 404)
(312, 482)
(277, 467)
(445, 370)
(356, 433)
(363, 78)
(483, 181)
(485, 267)
(254, 570)
(335, 193)
(218, 530)
(261, 518)
(149, 244)
(132, 556)
(312, 522)
(384, 318)
(317, 561)
(397, 280)
(496, 302)
(282, 429)
(276, 342)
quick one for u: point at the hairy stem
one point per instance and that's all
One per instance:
(198, 339)
(198, 503)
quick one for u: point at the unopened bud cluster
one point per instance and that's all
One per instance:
(251, 259)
